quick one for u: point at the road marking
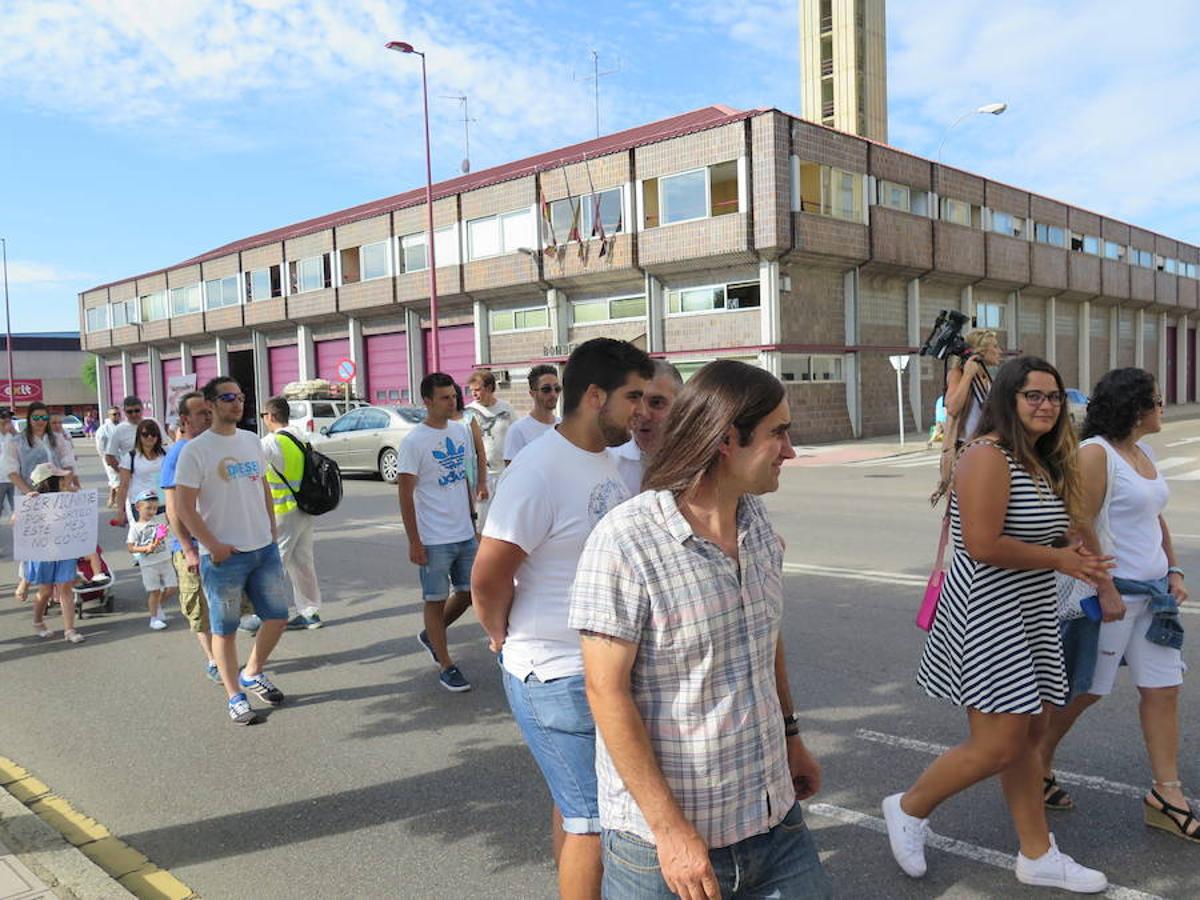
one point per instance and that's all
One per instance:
(1094, 782)
(905, 460)
(1191, 440)
(855, 574)
(1193, 475)
(955, 847)
(1173, 462)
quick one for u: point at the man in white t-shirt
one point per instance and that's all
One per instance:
(225, 503)
(634, 455)
(495, 417)
(547, 504)
(435, 504)
(123, 437)
(544, 388)
(103, 434)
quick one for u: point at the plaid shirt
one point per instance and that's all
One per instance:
(704, 676)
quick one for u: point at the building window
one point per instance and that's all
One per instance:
(957, 211)
(154, 306)
(1190, 270)
(97, 318)
(366, 262)
(221, 292)
(1049, 234)
(807, 368)
(574, 218)
(1007, 224)
(713, 298)
(1144, 258)
(496, 235)
(826, 191)
(533, 318)
(1114, 251)
(686, 196)
(263, 284)
(184, 301)
(123, 312)
(1085, 243)
(311, 274)
(608, 309)
(413, 255)
(895, 196)
(989, 315)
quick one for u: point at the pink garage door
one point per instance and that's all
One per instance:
(141, 385)
(329, 354)
(284, 363)
(205, 368)
(457, 343)
(387, 368)
(170, 368)
(116, 385)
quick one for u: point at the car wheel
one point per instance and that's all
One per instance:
(389, 465)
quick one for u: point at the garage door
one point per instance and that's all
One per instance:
(328, 354)
(141, 385)
(205, 368)
(387, 368)
(284, 363)
(116, 385)
(457, 343)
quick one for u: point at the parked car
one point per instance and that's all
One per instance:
(368, 439)
(1077, 402)
(73, 426)
(311, 416)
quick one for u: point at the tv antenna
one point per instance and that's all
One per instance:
(466, 120)
(595, 79)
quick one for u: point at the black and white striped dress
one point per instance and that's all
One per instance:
(995, 645)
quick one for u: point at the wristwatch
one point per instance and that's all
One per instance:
(1175, 570)
(791, 725)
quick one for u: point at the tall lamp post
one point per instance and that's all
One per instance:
(12, 400)
(403, 47)
(990, 109)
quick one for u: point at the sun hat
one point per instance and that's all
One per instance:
(43, 471)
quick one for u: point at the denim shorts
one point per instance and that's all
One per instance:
(557, 725)
(447, 566)
(259, 573)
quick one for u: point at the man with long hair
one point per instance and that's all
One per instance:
(678, 598)
(548, 502)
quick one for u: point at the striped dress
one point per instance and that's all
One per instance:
(995, 645)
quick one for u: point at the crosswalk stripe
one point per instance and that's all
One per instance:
(1173, 462)
(1193, 475)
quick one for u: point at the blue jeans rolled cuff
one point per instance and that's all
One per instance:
(257, 573)
(447, 567)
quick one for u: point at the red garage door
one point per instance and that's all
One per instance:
(171, 368)
(284, 363)
(329, 354)
(205, 368)
(116, 385)
(141, 384)
(387, 368)
(457, 343)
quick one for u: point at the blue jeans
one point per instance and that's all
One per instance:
(447, 566)
(781, 864)
(257, 573)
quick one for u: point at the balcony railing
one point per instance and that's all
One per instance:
(827, 109)
(826, 24)
(826, 67)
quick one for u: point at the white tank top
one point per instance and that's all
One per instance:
(1133, 504)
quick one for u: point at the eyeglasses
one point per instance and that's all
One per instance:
(231, 397)
(39, 418)
(550, 389)
(133, 411)
(1158, 401)
(1037, 398)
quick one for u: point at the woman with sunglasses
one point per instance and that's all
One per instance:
(36, 445)
(140, 469)
(994, 648)
(1124, 496)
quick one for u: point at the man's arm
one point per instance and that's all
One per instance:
(682, 853)
(408, 515)
(270, 504)
(804, 769)
(188, 514)
(175, 521)
(496, 564)
(122, 495)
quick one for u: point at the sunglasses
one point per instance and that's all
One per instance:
(133, 411)
(39, 418)
(231, 397)
(550, 389)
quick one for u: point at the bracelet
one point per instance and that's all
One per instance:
(1175, 570)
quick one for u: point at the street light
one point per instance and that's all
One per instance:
(404, 47)
(989, 109)
(12, 399)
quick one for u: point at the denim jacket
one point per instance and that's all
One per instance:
(1165, 629)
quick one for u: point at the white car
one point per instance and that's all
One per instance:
(368, 439)
(73, 426)
(310, 416)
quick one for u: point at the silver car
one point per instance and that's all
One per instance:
(367, 439)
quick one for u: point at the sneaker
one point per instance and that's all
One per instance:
(240, 710)
(313, 622)
(454, 680)
(297, 623)
(212, 672)
(250, 624)
(72, 636)
(1055, 869)
(157, 623)
(907, 836)
(423, 640)
(261, 687)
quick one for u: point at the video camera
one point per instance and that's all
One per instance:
(946, 337)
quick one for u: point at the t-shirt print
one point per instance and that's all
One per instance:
(605, 496)
(451, 457)
(230, 469)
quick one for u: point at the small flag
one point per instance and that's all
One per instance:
(548, 222)
(573, 234)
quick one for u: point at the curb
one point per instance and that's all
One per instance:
(96, 864)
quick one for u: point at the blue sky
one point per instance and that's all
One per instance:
(136, 135)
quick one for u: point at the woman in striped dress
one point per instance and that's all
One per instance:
(994, 647)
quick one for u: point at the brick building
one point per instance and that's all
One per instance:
(748, 234)
(47, 366)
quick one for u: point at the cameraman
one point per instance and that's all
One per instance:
(967, 386)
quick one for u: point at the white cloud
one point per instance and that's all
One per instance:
(34, 273)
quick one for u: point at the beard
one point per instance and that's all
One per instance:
(613, 432)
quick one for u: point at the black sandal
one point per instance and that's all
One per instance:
(1187, 827)
(1054, 796)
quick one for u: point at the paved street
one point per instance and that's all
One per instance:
(374, 782)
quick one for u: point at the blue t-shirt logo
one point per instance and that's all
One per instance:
(451, 459)
(231, 469)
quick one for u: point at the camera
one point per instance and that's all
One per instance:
(946, 338)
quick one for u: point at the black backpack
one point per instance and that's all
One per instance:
(320, 485)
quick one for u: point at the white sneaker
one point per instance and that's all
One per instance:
(1056, 869)
(157, 623)
(907, 836)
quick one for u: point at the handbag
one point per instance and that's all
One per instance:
(937, 577)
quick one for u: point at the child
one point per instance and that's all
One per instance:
(54, 577)
(147, 539)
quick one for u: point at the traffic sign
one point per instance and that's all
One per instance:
(346, 370)
(899, 363)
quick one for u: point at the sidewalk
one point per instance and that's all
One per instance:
(857, 451)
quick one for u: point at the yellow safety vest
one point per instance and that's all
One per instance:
(293, 472)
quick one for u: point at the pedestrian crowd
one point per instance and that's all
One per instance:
(615, 548)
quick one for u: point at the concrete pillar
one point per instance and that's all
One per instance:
(1181, 359)
(222, 351)
(560, 316)
(262, 370)
(126, 374)
(185, 359)
(851, 366)
(1162, 352)
(416, 353)
(1085, 346)
(103, 401)
(158, 392)
(770, 322)
(655, 315)
(483, 335)
(915, 402)
(358, 356)
(306, 352)
(967, 302)
(1114, 336)
(1012, 319)
(1051, 330)
(1139, 339)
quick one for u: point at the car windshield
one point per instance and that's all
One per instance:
(71, 420)
(413, 414)
(1076, 396)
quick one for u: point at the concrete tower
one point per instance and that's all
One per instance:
(843, 65)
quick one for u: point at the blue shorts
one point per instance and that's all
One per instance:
(557, 725)
(60, 571)
(447, 566)
(257, 573)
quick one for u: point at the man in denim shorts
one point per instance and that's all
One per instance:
(225, 502)
(435, 504)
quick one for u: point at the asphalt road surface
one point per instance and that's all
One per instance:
(373, 781)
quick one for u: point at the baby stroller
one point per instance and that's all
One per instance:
(91, 586)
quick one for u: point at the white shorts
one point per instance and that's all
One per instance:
(114, 477)
(156, 575)
(1150, 665)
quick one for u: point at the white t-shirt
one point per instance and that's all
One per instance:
(144, 476)
(495, 422)
(437, 457)
(103, 434)
(548, 502)
(521, 433)
(229, 471)
(5, 437)
(631, 464)
(143, 533)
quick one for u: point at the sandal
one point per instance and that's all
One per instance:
(40, 630)
(1054, 796)
(73, 636)
(1175, 820)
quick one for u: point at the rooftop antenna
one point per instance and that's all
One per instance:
(595, 79)
(466, 120)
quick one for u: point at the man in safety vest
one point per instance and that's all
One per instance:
(285, 469)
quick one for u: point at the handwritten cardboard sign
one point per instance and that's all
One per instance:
(50, 527)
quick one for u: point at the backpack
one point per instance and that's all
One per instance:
(320, 485)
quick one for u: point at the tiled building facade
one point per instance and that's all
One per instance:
(718, 233)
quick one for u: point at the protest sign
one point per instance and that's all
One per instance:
(177, 386)
(57, 526)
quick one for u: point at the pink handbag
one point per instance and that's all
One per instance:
(933, 587)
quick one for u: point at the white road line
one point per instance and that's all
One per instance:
(1093, 782)
(1173, 462)
(973, 852)
(1191, 440)
(855, 574)
(1193, 475)
(915, 463)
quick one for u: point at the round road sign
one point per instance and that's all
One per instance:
(345, 370)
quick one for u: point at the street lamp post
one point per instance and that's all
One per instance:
(402, 47)
(12, 400)
(990, 109)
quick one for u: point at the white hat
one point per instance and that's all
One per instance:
(43, 471)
